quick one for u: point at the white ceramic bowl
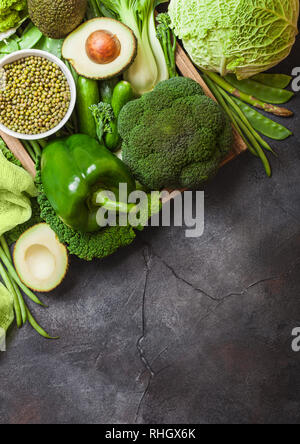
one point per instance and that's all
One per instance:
(46, 55)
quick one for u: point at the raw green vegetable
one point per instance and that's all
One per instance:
(168, 42)
(12, 12)
(107, 90)
(82, 160)
(274, 80)
(50, 45)
(263, 124)
(244, 37)
(57, 18)
(149, 67)
(7, 271)
(175, 136)
(87, 95)
(106, 113)
(262, 92)
(122, 94)
(88, 246)
(30, 37)
(273, 109)
(103, 115)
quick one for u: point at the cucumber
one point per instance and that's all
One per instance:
(87, 95)
(107, 89)
(122, 94)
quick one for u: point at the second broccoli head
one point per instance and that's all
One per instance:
(175, 136)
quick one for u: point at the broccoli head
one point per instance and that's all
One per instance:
(174, 136)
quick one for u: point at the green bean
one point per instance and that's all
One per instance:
(243, 117)
(275, 80)
(249, 133)
(10, 288)
(263, 124)
(30, 38)
(16, 278)
(37, 327)
(256, 145)
(276, 110)
(262, 92)
(29, 150)
(43, 143)
(16, 288)
(226, 108)
(36, 148)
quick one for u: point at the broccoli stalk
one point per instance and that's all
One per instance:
(150, 66)
(168, 42)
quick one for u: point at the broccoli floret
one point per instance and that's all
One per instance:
(174, 136)
(88, 246)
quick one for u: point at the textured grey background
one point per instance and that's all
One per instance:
(177, 330)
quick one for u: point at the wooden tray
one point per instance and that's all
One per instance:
(186, 68)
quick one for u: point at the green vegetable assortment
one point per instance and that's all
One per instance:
(130, 99)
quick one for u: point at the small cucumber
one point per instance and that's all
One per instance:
(107, 90)
(122, 94)
(87, 95)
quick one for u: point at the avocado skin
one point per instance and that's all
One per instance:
(57, 18)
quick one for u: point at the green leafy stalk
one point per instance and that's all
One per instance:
(168, 42)
(103, 115)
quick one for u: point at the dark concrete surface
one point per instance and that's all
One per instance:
(178, 330)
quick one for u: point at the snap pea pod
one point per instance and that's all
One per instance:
(243, 129)
(246, 122)
(275, 80)
(263, 124)
(53, 46)
(268, 107)
(262, 92)
(30, 38)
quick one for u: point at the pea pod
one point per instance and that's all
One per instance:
(274, 80)
(30, 38)
(262, 92)
(263, 124)
(87, 95)
(122, 94)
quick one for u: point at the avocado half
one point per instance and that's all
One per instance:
(57, 18)
(100, 48)
(41, 261)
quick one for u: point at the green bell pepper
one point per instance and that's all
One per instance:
(74, 171)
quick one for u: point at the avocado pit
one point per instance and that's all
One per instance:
(103, 47)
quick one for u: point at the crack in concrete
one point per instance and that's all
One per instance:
(147, 259)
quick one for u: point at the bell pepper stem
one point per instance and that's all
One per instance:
(111, 205)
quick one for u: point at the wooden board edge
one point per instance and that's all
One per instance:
(187, 69)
